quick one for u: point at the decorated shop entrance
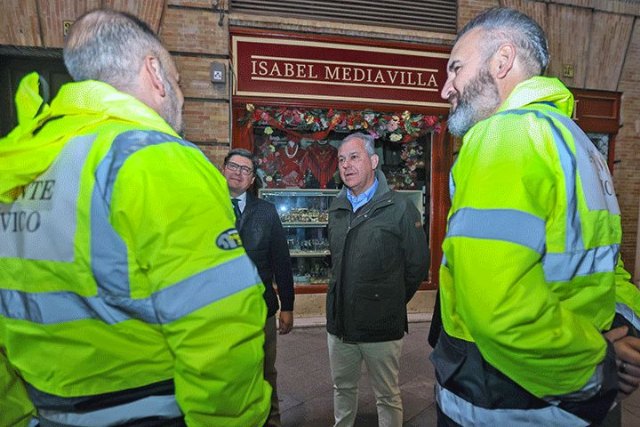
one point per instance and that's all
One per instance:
(294, 101)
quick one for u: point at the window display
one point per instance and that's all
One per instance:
(297, 151)
(305, 215)
(297, 148)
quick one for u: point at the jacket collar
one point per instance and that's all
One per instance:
(383, 188)
(540, 90)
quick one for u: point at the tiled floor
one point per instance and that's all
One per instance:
(306, 397)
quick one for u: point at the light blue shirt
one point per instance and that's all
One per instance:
(358, 201)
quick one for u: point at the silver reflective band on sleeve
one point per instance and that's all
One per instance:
(508, 225)
(164, 306)
(153, 406)
(573, 229)
(576, 260)
(108, 250)
(209, 286)
(630, 315)
(566, 266)
(590, 389)
(467, 414)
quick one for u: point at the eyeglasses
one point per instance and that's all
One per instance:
(234, 167)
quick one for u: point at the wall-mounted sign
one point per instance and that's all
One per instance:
(304, 69)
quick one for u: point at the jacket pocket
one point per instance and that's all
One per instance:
(377, 309)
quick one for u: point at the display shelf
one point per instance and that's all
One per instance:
(295, 253)
(305, 214)
(305, 224)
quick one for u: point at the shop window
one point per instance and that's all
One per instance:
(297, 148)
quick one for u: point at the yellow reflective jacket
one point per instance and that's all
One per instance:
(121, 273)
(529, 269)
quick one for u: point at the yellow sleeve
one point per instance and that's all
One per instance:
(16, 409)
(627, 297)
(172, 208)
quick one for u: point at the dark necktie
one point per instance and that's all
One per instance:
(236, 210)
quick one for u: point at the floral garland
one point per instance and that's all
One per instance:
(396, 127)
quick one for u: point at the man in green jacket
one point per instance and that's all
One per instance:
(125, 294)
(379, 258)
(531, 282)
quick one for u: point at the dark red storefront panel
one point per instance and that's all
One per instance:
(303, 69)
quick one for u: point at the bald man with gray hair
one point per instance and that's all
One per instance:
(127, 297)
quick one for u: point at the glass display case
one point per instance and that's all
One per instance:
(305, 215)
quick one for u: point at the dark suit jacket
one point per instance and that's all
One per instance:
(266, 244)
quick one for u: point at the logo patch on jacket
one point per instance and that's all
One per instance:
(229, 239)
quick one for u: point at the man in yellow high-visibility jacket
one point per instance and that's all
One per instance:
(530, 280)
(125, 294)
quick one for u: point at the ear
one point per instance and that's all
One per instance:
(504, 60)
(151, 67)
(375, 160)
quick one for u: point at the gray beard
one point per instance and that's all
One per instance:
(479, 101)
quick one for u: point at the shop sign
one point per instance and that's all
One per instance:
(302, 69)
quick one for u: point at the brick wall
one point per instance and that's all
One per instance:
(626, 176)
(467, 9)
(196, 37)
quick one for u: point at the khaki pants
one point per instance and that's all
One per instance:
(382, 360)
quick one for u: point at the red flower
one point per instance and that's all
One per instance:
(430, 120)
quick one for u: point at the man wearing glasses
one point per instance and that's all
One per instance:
(264, 240)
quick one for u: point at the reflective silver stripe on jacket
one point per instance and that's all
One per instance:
(499, 224)
(153, 406)
(109, 261)
(108, 250)
(527, 230)
(467, 414)
(164, 306)
(40, 225)
(626, 312)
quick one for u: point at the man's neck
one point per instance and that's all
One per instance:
(234, 194)
(367, 188)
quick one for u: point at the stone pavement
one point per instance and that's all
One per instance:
(304, 381)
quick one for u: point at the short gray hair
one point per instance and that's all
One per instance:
(110, 46)
(506, 24)
(369, 141)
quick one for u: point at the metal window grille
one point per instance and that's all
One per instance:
(426, 15)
